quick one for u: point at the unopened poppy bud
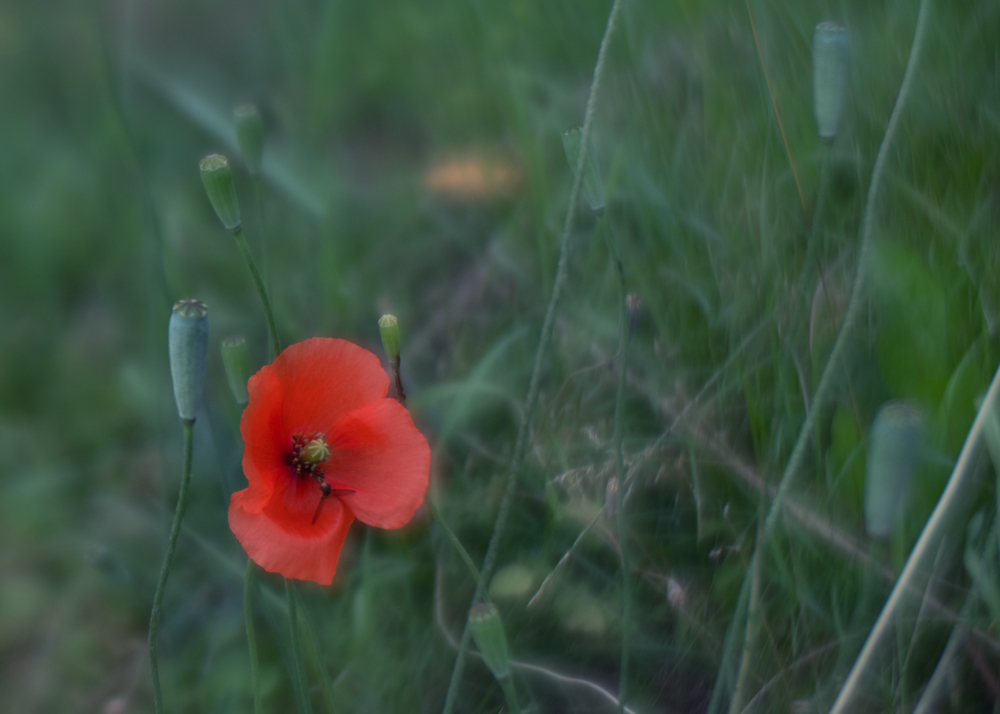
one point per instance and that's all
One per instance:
(830, 59)
(893, 451)
(316, 451)
(250, 135)
(188, 342)
(487, 631)
(237, 364)
(388, 327)
(592, 188)
(218, 180)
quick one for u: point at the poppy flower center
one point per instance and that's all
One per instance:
(309, 452)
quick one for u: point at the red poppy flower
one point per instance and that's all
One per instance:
(323, 446)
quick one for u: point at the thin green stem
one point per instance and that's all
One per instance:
(620, 462)
(161, 585)
(241, 241)
(258, 197)
(724, 680)
(251, 635)
(742, 695)
(302, 688)
(453, 539)
(324, 680)
(534, 385)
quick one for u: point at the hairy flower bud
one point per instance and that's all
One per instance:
(591, 188)
(487, 631)
(250, 135)
(388, 327)
(893, 451)
(217, 178)
(188, 343)
(237, 364)
(830, 59)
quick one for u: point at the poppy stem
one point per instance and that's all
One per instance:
(251, 636)
(534, 384)
(301, 688)
(154, 617)
(241, 241)
(400, 394)
(258, 196)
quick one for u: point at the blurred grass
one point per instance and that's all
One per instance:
(107, 109)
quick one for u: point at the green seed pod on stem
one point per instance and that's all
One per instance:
(487, 631)
(388, 327)
(592, 188)
(893, 452)
(237, 364)
(188, 343)
(830, 59)
(217, 178)
(250, 135)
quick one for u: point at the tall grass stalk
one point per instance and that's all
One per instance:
(534, 385)
(161, 585)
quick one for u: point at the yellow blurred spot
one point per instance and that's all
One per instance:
(471, 176)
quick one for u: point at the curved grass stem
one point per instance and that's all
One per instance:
(534, 385)
(161, 585)
(241, 241)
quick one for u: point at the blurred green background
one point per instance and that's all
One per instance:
(413, 164)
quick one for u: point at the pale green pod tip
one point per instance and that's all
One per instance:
(591, 187)
(831, 48)
(388, 328)
(487, 631)
(217, 178)
(250, 135)
(236, 362)
(893, 456)
(188, 344)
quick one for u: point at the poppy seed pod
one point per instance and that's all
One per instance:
(250, 136)
(188, 342)
(237, 364)
(830, 58)
(487, 631)
(218, 180)
(591, 188)
(893, 451)
(388, 327)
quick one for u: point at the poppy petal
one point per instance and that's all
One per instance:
(265, 451)
(379, 455)
(324, 380)
(306, 552)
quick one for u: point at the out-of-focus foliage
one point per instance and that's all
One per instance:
(413, 164)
